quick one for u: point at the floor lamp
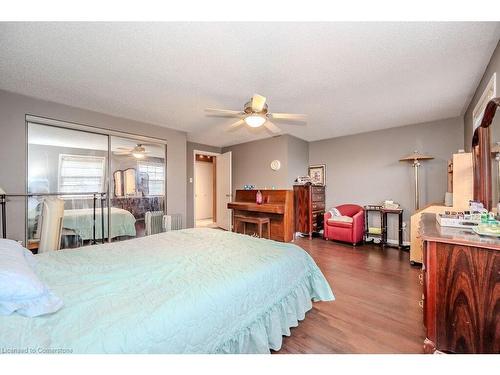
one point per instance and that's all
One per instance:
(415, 160)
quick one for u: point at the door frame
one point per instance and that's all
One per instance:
(215, 183)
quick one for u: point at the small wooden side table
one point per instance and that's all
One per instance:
(372, 208)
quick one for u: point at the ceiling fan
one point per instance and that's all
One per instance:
(138, 152)
(255, 114)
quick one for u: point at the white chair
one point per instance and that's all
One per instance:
(51, 226)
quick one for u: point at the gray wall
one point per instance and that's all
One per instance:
(364, 168)
(13, 109)
(191, 146)
(298, 158)
(251, 162)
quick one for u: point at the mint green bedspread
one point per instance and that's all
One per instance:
(187, 291)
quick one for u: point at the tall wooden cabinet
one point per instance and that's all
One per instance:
(309, 201)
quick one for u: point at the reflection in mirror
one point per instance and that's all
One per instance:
(65, 161)
(495, 169)
(118, 183)
(141, 199)
(495, 161)
(129, 182)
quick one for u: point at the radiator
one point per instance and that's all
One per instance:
(154, 222)
(172, 222)
(157, 222)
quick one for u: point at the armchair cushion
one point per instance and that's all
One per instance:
(339, 224)
(340, 219)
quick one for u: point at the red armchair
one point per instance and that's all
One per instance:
(345, 231)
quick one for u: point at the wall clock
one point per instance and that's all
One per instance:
(275, 165)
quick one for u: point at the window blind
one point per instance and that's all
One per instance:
(81, 173)
(156, 174)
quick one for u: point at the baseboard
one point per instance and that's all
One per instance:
(390, 242)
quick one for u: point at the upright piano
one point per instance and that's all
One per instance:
(277, 205)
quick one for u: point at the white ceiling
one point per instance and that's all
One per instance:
(347, 77)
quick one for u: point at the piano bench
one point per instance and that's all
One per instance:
(259, 221)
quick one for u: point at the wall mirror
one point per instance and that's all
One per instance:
(118, 182)
(129, 182)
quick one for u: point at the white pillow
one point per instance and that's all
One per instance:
(21, 290)
(335, 212)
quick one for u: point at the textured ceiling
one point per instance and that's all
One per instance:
(347, 77)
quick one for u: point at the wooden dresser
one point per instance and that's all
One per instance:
(309, 208)
(461, 289)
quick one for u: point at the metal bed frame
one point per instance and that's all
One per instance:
(3, 204)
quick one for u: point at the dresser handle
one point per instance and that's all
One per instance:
(421, 304)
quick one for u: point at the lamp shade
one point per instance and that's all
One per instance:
(416, 156)
(2, 191)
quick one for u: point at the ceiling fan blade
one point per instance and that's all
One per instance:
(236, 124)
(121, 153)
(124, 148)
(288, 116)
(271, 127)
(224, 112)
(258, 102)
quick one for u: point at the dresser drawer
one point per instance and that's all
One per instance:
(318, 197)
(318, 189)
(318, 206)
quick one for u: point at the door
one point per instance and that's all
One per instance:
(224, 190)
(204, 190)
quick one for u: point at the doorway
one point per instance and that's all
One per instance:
(204, 190)
(212, 189)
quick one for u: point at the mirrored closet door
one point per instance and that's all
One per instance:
(66, 169)
(138, 186)
(74, 201)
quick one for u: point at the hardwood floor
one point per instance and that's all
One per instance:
(376, 308)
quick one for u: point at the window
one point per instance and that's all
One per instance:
(488, 94)
(156, 173)
(81, 173)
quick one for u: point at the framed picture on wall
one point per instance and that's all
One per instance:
(317, 173)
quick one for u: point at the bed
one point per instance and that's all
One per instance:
(188, 291)
(80, 221)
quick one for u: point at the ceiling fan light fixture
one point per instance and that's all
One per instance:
(255, 121)
(138, 155)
